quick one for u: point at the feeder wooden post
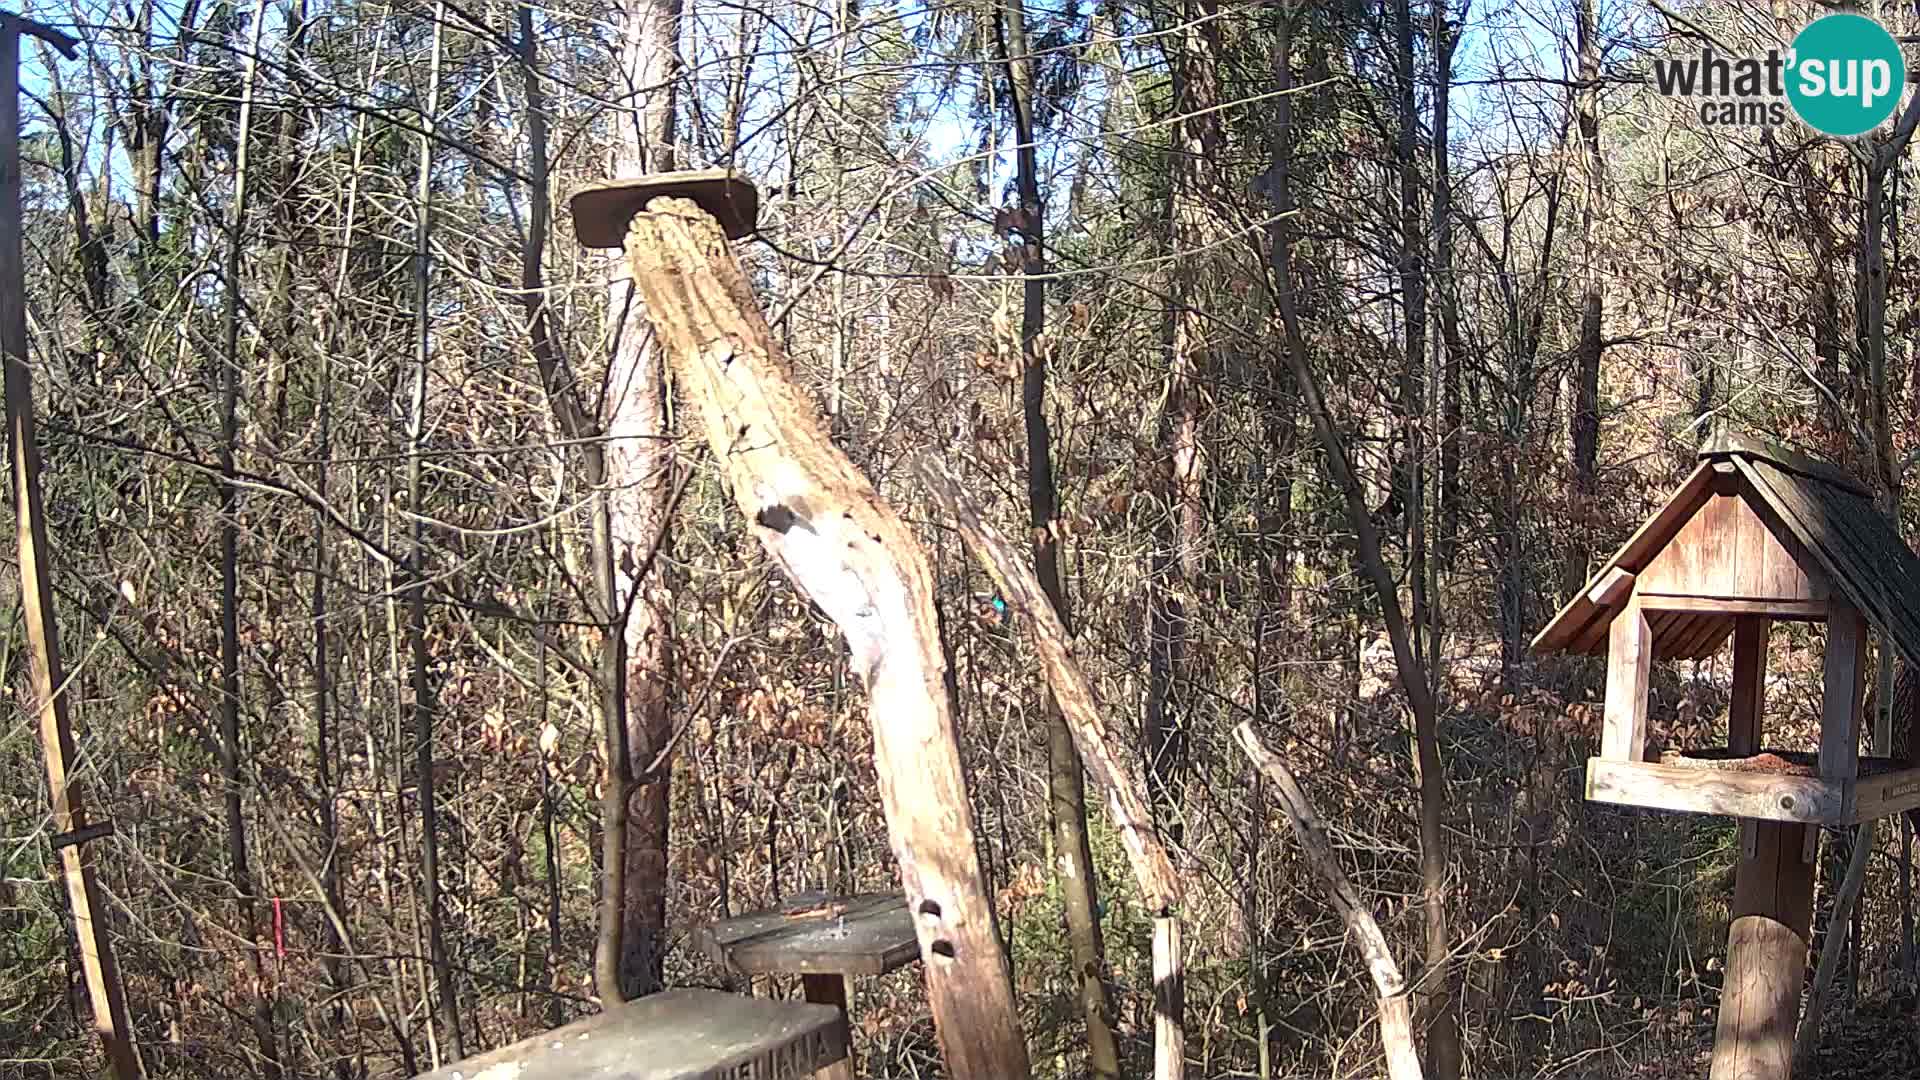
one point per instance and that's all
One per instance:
(1773, 881)
(846, 549)
(1766, 956)
(1630, 655)
(1844, 678)
(46, 686)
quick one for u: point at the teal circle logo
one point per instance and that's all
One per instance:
(1846, 75)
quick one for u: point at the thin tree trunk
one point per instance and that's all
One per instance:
(1446, 291)
(1280, 420)
(323, 739)
(446, 1009)
(1178, 555)
(639, 463)
(326, 739)
(239, 874)
(551, 840)
(1808, 1038)
(1907, 958)
(571, 419)
(1443, 1033)
(1586, 402)
(1443, 1037)
(1073, 854)
(1413, 293)
(577, 424)
(45, 689)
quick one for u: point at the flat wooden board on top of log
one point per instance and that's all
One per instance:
(1777, 762)
(814, 933)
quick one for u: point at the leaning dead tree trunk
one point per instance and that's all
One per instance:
(1126, 792)
(1396, 1010)
(844, 547)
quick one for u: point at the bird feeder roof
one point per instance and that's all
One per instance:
(1822, 517)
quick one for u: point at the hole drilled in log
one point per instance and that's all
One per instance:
(943, 948)
(930, 907)
(776, 517)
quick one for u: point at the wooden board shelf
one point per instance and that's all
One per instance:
(816, 934)
(1764, 795)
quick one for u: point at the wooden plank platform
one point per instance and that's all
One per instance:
(816, 934)
(1770, 795)
(674, 1035)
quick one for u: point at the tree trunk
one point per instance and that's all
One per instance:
(1178, 555)
(1443, 1039)
(1452, 348)
(239, 873)
(446, 1010)
(1586, 402)
(1073, 855)
(1443, 1033)
(327, 738)
(639, 463)
(1413, 296)
(325, 750)
(45, 689)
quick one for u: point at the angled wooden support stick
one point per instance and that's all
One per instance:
(843, 546)
(1396, 1014)
(1099, 750)
(46, 678)
(1124, 790)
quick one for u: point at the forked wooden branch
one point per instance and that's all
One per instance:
(1020, 588)
(1396, 1018)
(848, 551)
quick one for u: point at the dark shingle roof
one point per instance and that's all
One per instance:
(1854, 542)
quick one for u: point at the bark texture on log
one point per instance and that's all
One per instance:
(843, 546)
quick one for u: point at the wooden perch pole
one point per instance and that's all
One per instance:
(1396, 1012)
(849, 552)
(46, 687)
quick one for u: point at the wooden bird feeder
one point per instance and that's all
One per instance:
(1755, 535)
